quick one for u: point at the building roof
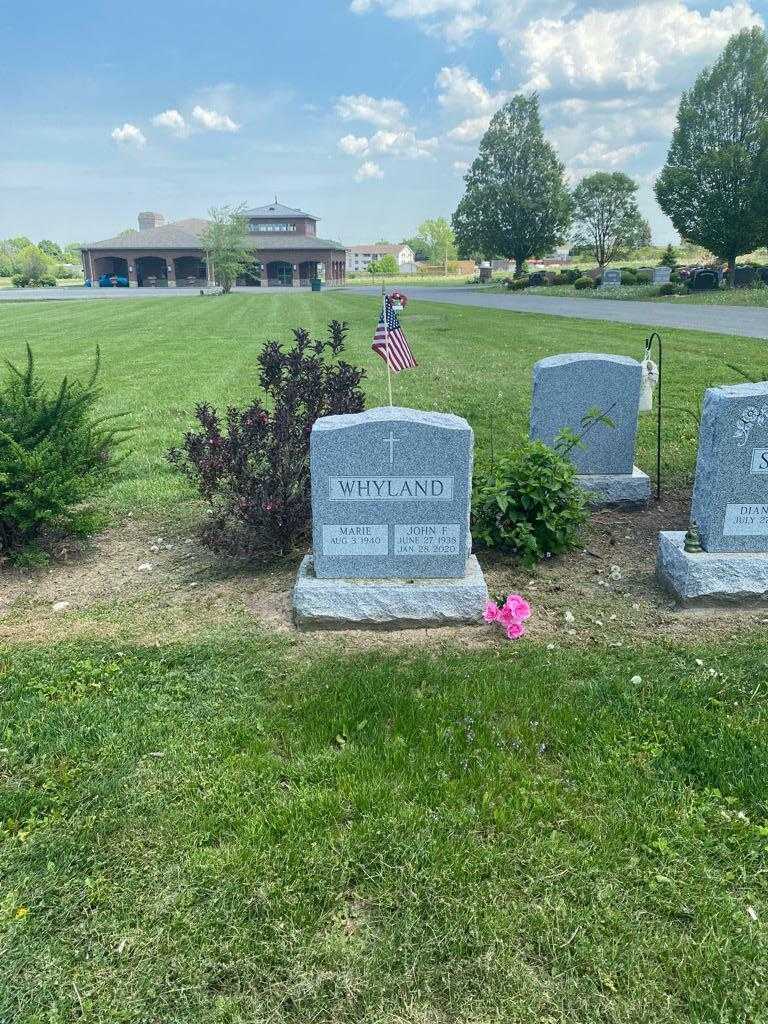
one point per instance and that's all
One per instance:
(277, 210)
(378, 247)
(185, 234)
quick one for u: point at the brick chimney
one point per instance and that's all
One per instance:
(149, 220)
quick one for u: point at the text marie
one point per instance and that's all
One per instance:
(391, 488)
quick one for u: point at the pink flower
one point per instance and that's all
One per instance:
(515, 630)
(519, 607)
(491, 612)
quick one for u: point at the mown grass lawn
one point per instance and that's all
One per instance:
(160, 357)
(216, 832)
(226, 824)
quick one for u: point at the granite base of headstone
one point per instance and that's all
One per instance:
(388, 603)
(565, 389)
(729, 507)
(391, 544)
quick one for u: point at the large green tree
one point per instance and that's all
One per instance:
(439, 240)
(714, 186)
(607, 217)
(225, 242)
(51, 249)
(516, 203)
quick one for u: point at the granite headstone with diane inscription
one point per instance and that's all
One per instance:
(730, 497)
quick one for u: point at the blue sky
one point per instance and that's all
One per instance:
(365, 112)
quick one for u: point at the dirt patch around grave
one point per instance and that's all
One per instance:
(139, 583)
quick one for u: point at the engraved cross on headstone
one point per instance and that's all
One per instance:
(391, 442)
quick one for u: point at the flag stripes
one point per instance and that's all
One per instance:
(390, 342)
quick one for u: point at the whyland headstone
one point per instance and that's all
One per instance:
(566, 389)
(730, 503)
(391, 494)
(611, 278)
(661, 275)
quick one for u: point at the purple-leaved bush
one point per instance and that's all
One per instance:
(252, 466)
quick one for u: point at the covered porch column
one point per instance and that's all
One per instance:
(171, 271)
(133, 281)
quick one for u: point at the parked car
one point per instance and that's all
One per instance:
(113, 281)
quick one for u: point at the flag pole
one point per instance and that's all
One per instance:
(386, 342)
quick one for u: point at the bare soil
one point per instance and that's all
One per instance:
(142, 584)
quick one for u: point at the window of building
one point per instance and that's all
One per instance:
(268, 226)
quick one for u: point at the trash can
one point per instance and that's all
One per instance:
(317, 284)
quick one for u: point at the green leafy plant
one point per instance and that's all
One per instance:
(582, 283)
(672, 288)
(55, 455)
(518, 284)
(529, 502)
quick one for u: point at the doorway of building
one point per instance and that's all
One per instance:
(280, 274)
(151, 272)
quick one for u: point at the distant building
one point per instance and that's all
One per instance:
(159, 255)
(359, 256)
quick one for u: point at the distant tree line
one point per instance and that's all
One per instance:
(21, 258)
(714, 186)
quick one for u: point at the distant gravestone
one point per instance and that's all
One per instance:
(565, 389)
(730, 504)
(611, 278)
(390, 494)
(745, 277)
(661, 275)
(705, 280)
(390, 523)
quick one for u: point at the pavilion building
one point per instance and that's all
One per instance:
(287, 252)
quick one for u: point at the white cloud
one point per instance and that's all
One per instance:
(463, 93)
(353, 145)
(172, 120)
(456, 20)
(368, 171)
(384, 113)
(642, 47)
(213, 121)
(601, 155)
(470, 130)
(402, 143)
(462, 166)
(129, 135)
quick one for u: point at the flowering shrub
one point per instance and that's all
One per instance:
(510, 616)
(253, 468)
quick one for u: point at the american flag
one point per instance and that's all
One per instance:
(397, 354)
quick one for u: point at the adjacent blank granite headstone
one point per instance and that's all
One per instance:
(730, 503)
(611, 278)
(565, 389)
(391, 494)
(661, 275)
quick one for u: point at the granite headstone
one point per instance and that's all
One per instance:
(566, 387)
(611, 278)
(661, 275)
(391, 495)
(730, 496)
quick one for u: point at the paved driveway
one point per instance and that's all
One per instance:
(747, 321)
